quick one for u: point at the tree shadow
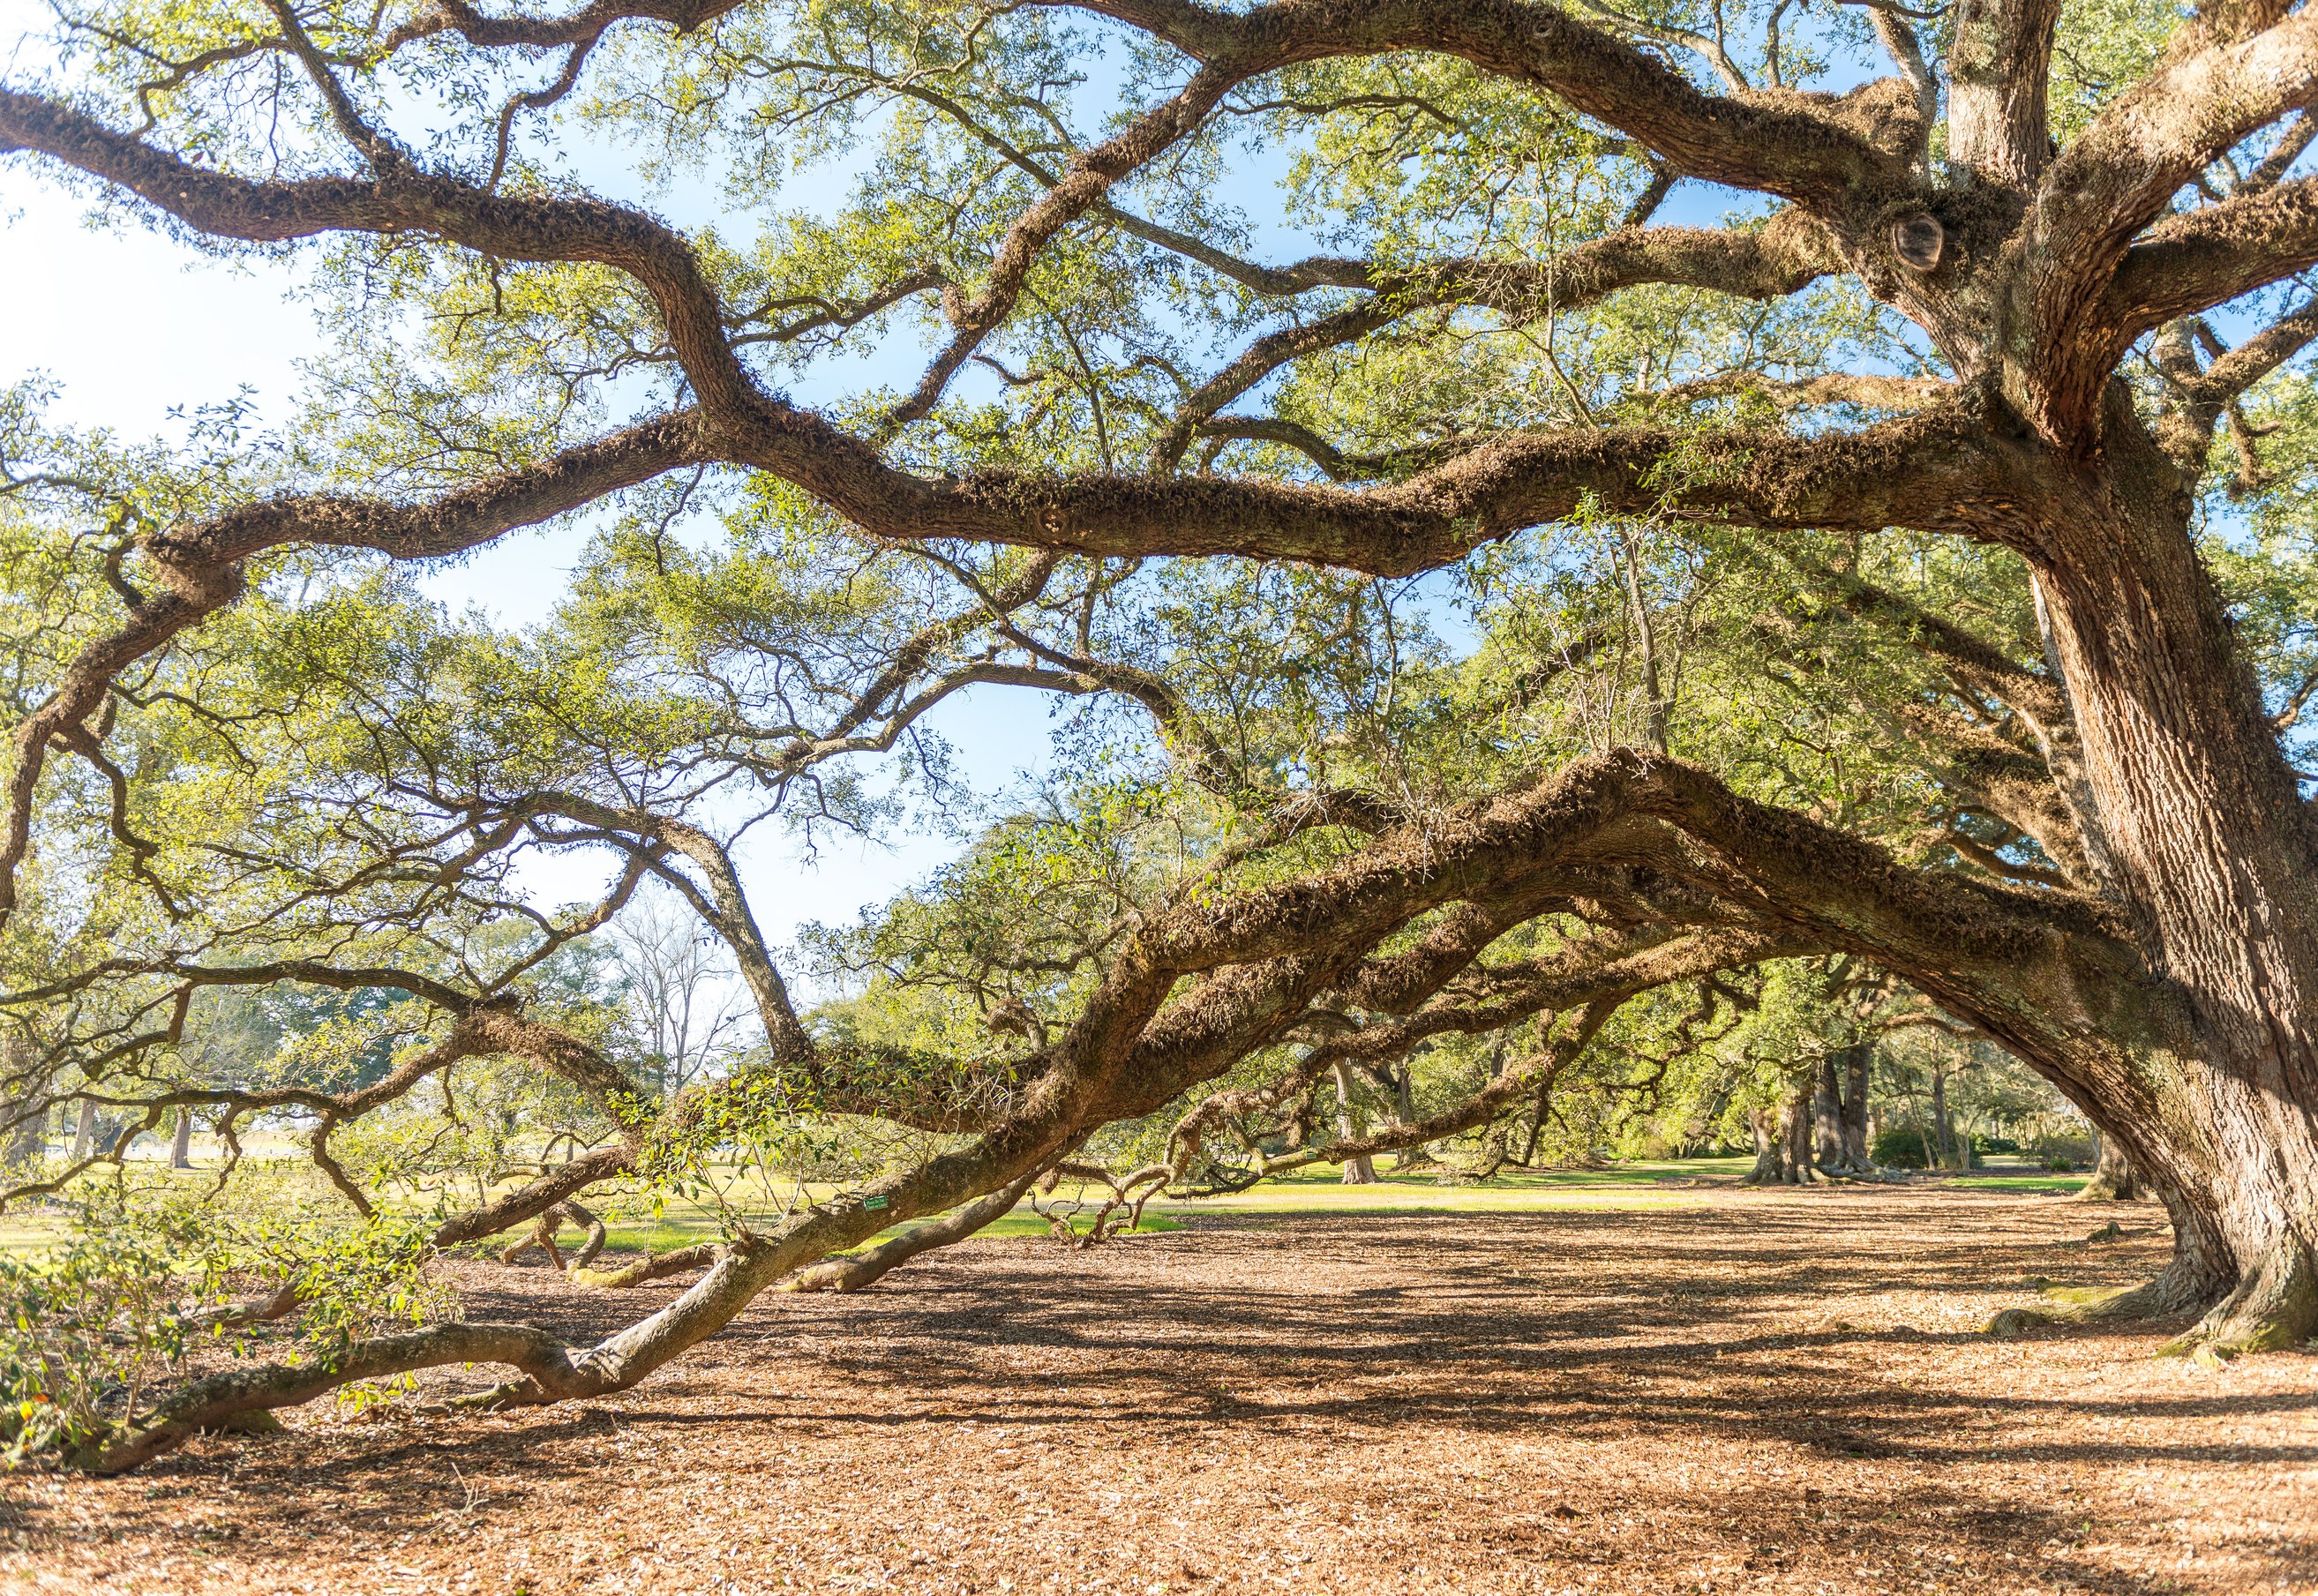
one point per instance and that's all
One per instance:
(1676, 1335)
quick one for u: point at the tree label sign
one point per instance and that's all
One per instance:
(873, 1202)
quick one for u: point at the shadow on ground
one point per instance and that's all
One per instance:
(1771, 1389)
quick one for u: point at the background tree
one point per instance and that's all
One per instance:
(679, 997)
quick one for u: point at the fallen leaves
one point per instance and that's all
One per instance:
(1333, 1402)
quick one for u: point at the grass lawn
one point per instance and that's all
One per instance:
(1634, 1185)
(1319, 1189)
(660, 1235)
(2023, 1179)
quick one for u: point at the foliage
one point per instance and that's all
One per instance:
(1903, 1147)
(144, 1286)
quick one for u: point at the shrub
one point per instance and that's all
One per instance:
(2061, 1151)
(1901, 1147)
(86, 1327)
(90, 1326)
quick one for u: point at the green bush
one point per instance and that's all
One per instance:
(86, 1326)
(1901, 1148)
(93, 1325)
(2063, 1152)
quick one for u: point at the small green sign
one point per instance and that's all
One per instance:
(873, 1202)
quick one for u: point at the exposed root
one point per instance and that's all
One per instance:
(657, 1266)
(544, 1233)
(248, 1421)
(853, 1273)
(277, 1305)
(1121, 1208)
(2273, 1307)
(2113, 1180)
(2081, 1304)
(2178, 1288)
(1794, 1175)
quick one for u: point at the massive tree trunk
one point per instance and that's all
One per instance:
(180, 1142)
(1827, 1115)
(25, 1142)
(1856, 1061)
(28, 1143)
(2112, 1178)
(1782, 1138)
(1839, 1110)
(1404, 1107)
(2201, 838)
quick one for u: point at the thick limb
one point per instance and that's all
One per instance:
(851, 1274)
(2273, 1307)
(211, 1401)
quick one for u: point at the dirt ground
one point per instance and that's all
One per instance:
(1768, 1391)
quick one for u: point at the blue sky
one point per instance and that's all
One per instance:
(132, 325)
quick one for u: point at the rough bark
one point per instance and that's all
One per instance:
(28, 1142)
(25, 1141)
(2209, 847)
(1855, 1138)
(1827, 1115)
(1404, 1108)
(1839, 1110)
(1945, 1153)
(1782, 1138)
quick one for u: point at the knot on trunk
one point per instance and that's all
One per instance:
(1919, 241)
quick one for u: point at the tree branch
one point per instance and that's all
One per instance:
(2211, 255)
(1782, 258)
(1811, 147)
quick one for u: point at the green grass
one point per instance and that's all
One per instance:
(664, 1235)
(1635, 1186)
(21, 1236)
(1629, 1173)
(2039, 1182)
(1319, 1189)
(2006, 1173)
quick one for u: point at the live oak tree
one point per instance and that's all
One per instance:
(1909, 567)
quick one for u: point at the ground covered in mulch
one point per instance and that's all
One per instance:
(1779, 1390)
